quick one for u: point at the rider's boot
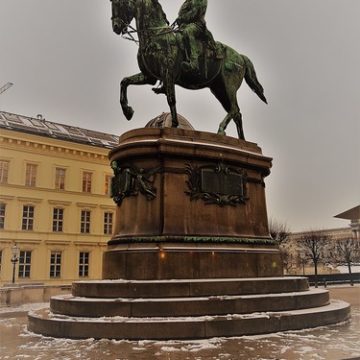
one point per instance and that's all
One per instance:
(192, 59)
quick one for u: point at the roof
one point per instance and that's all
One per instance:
(42, 127)
(351, 214)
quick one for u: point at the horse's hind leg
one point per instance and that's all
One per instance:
(230, 104)
(239, 126)
(223, 125)
(233, 114)
(138, 79)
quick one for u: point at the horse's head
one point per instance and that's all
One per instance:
(122, 14)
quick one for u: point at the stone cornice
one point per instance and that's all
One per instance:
(6, 197)
(86, 205)
(59, 202)
(51, 190)
(57, 242)
(29, 199)
(85, 243)
(108, 207)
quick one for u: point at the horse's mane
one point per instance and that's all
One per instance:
(158, 5)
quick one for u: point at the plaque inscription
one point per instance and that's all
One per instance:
(217, 184)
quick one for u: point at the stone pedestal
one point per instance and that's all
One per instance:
(191, 256)
(190, 205)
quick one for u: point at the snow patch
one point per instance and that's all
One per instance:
(23, 308)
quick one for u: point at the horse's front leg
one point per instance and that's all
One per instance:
(138, 79)
(169, 87)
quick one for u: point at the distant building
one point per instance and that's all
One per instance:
(352, 231)
(353, 215)
(339, 234)
(54, 200)
(333, 234)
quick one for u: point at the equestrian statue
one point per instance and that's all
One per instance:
(184, 53)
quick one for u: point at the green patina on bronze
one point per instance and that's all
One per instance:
(184, 54)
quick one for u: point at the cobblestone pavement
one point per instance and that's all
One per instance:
(330, 343)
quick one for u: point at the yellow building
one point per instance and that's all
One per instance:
(54, 200)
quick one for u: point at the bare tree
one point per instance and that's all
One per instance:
(345, 251)
(280, 233)
(313, 245)
(287, 258)
(302, 260)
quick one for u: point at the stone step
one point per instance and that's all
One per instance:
(187, 287)
(187, 306)
(48, 324)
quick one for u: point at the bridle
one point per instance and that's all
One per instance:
(129, 30)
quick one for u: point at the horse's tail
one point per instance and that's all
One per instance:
(252, 81)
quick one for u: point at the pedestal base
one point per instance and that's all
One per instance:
(184, 260)
(186, 309)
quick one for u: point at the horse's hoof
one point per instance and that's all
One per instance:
(159, 90)
(128, 112)
(221, 132)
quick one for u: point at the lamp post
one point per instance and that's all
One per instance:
(14, 260)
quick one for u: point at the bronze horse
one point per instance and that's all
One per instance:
(160, 57)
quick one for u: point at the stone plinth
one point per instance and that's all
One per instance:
(185, 309)
(191, 256)
(190, 205)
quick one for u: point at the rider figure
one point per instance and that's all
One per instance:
(192, 25)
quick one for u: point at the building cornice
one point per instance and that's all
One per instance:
(6, 197)
(86, 205)
(59, 202)
(29, 199)
(49, 190)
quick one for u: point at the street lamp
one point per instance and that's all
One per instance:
(14, 259)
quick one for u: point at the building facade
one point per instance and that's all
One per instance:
(301, 265)
(55, 200)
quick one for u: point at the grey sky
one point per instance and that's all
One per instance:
(66, 64)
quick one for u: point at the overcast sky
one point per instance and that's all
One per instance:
(66, 63)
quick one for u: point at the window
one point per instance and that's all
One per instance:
(2, 215)
(60, 178)
(108, 223)
(24, 264)
(108, 185)
(4, 171)
(58, 219)
(85, 222)
(84, 264)
(55, 264)
(30, 176)
(28, 217)
(86, 182)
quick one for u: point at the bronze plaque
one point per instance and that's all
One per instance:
(217, 184)
(221, 183)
